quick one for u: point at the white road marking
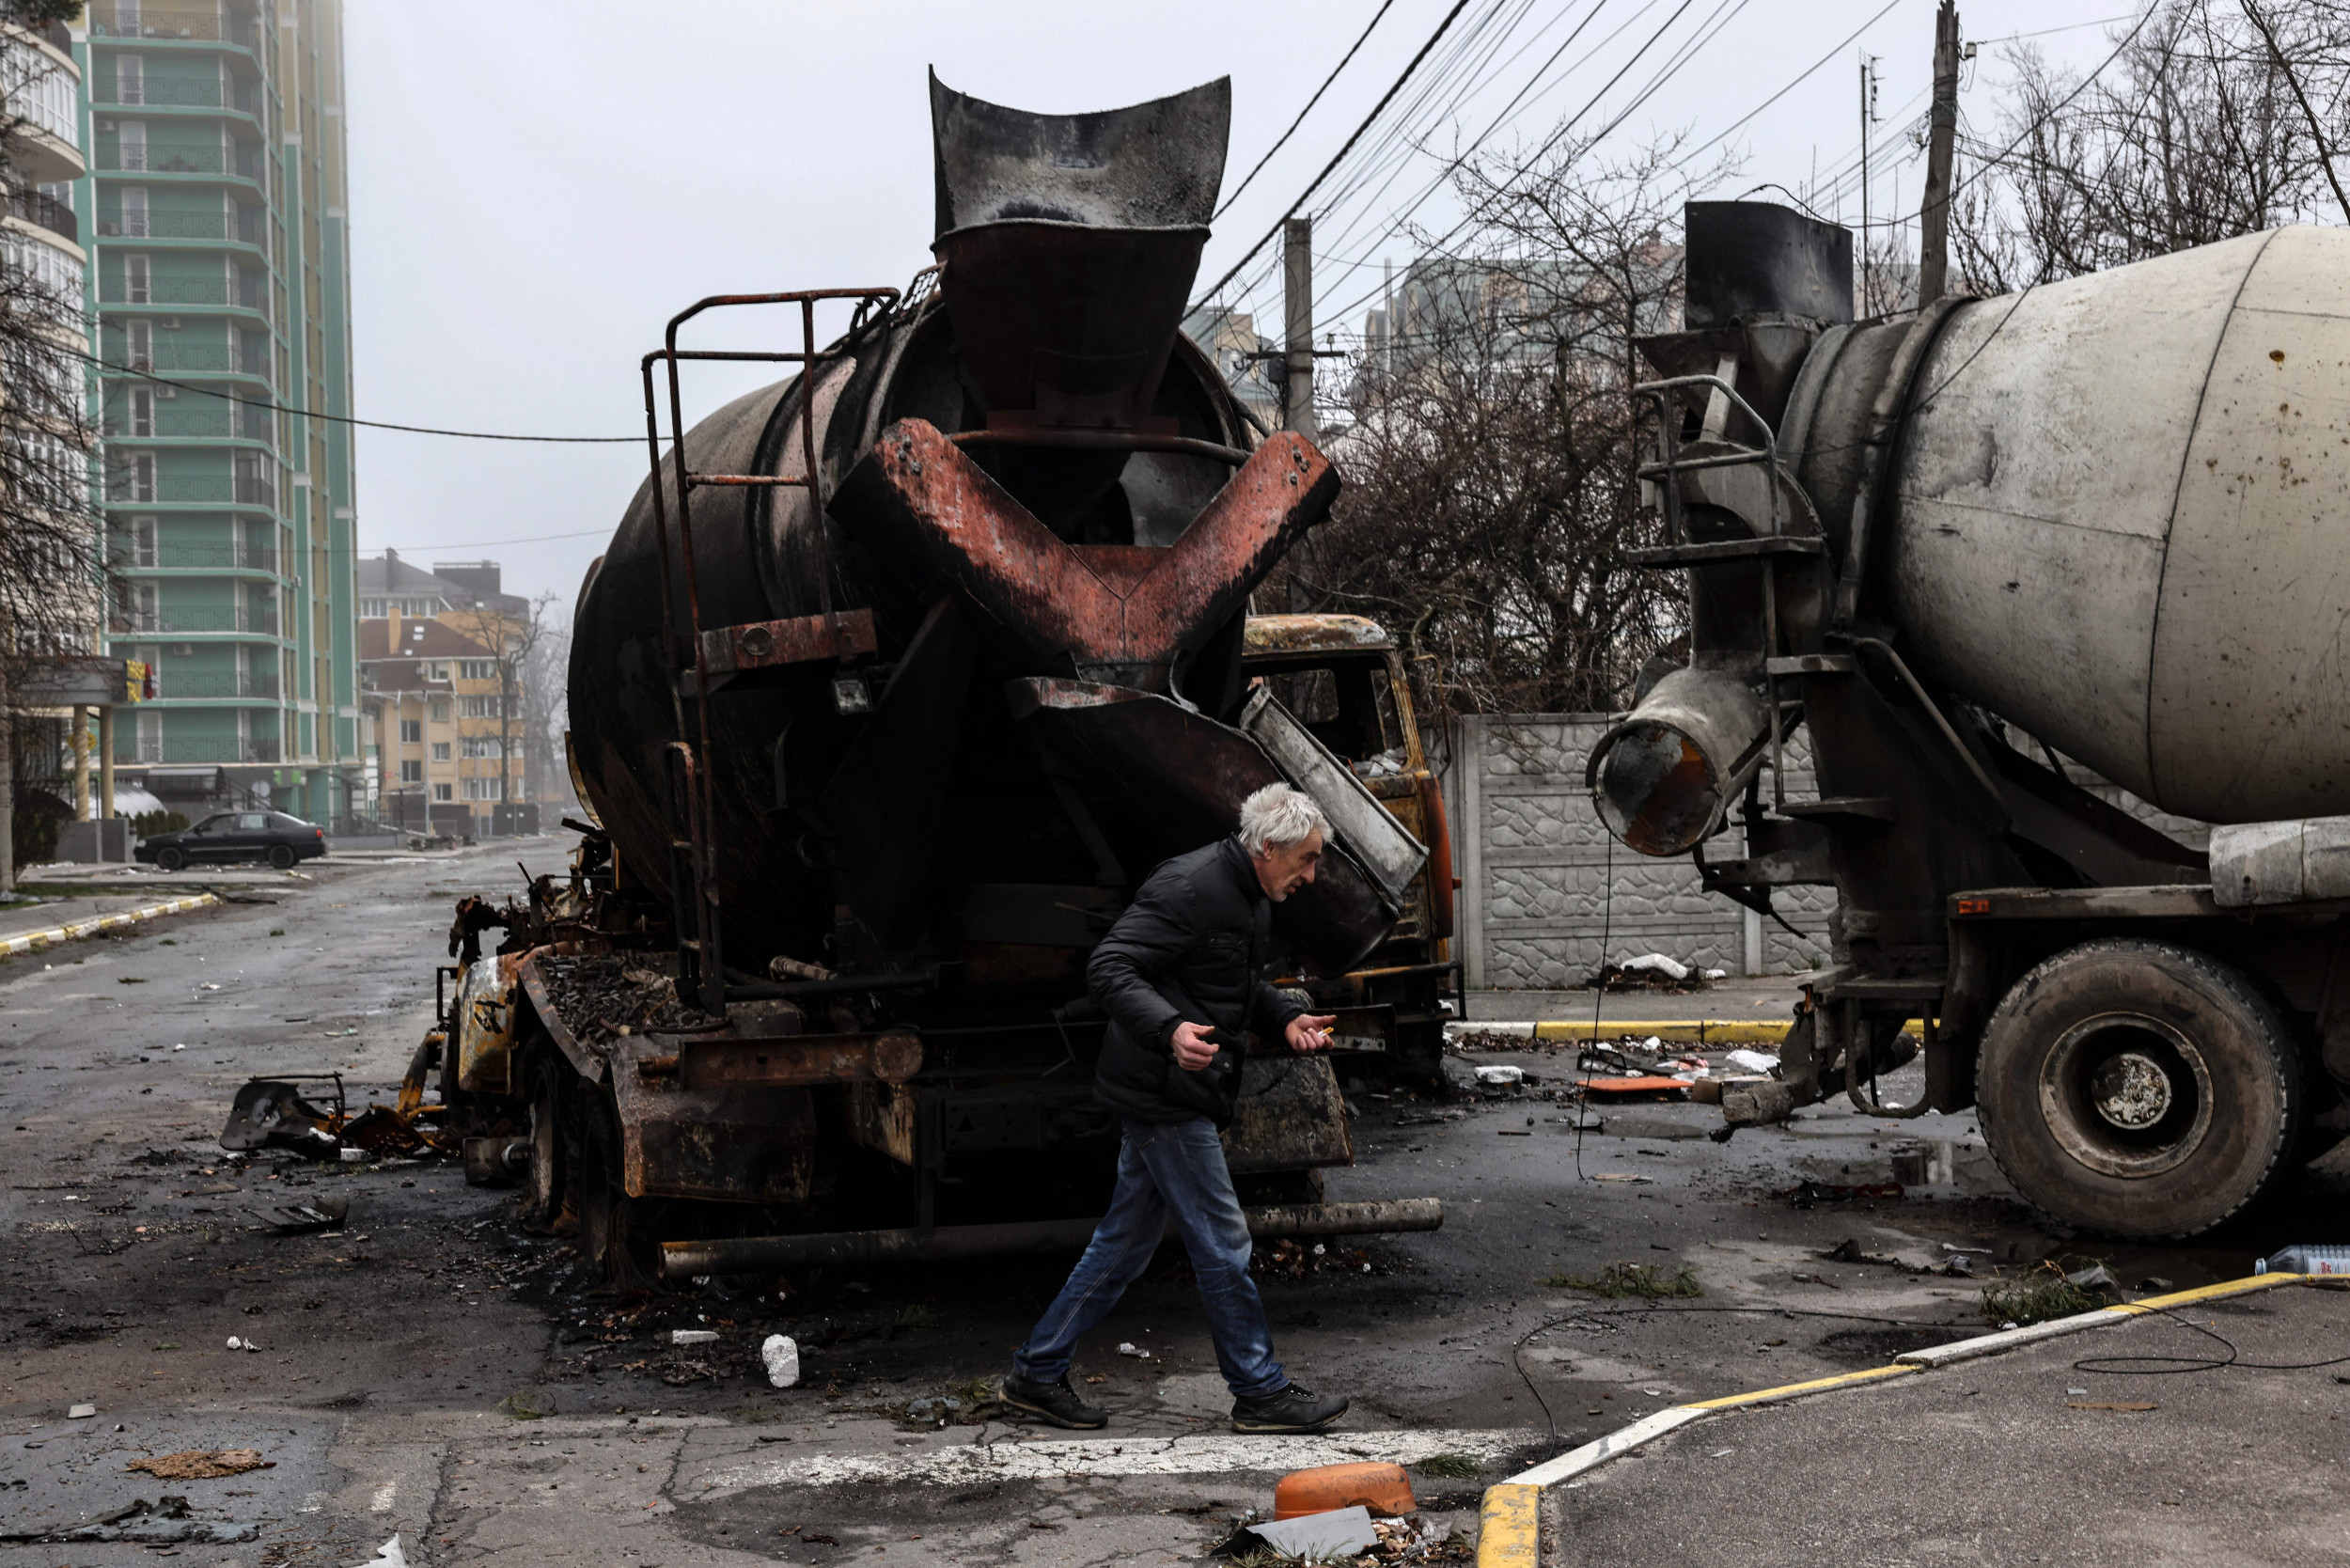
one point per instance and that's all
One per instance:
(1011, 1460)
(384, 1495)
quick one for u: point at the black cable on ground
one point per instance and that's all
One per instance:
(1599, 993)
(2162, 1366)
(1517, 1362)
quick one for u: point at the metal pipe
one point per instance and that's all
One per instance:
(1934, 712)
(685, 1260)
(764, 991)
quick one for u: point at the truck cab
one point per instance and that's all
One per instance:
(1343, 679)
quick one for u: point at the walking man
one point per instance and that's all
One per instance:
(1181, 977)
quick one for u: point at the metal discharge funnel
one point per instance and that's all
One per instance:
(1068, 244)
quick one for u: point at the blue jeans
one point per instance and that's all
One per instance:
(1165, 1169)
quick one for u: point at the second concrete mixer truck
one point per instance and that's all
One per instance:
(2104, 519)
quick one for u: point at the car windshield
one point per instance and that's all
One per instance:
(1346, 703)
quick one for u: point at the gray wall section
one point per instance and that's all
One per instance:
(1543, 885)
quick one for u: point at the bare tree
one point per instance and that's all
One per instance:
(546, 704)
(1491, 468)
(2213, 118)
(512, 636)
(53, 581)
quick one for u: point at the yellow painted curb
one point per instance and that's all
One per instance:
(1796, 1390)
(33, 941)
(1511, 1519)
(1509, 1527)
(1695, 1031)
(2208, 1293)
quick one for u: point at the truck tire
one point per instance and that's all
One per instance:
(2139, 1089)
(614, 1233)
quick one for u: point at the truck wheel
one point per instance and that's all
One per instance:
(546, 1186)
(613, 1231)
(2139, 1089)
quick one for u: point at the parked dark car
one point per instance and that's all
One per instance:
(269, 836)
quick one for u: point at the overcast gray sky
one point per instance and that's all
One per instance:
(537, 186)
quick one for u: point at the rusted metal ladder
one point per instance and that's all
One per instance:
(693, 865)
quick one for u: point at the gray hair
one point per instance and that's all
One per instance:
(1279, 816)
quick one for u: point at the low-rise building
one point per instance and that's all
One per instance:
(446, 745)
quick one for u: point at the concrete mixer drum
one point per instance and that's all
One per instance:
(2100, 519)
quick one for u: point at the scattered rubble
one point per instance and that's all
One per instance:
(1649, 1282)
(607, 995)
(202, 1464)
(165, 1522)
(1649, 972)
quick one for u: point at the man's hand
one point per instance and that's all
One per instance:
(1310, 1031)
(1194, 1050)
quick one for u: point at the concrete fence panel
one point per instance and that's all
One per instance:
(1546, 893)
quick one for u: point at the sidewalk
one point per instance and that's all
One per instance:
(1768, 997)
(20, 924)
(2062, 1452)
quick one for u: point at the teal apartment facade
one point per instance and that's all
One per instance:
(215, 213)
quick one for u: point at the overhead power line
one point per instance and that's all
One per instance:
(109, 365)
(1282, 140)
(1449, 17)
(1565, 125)
(1699, 151)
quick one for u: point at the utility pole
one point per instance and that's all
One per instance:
(1868, 116)
(1933, 219)
(1297, 289)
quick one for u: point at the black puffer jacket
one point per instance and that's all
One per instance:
(1192, 948)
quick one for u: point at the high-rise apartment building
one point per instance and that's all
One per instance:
(215, 212)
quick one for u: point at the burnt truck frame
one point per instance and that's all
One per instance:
(896, 680)
(634, 1137)
(2151, 1035)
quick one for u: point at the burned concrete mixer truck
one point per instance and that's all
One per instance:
(897, 678)
(2104, 520)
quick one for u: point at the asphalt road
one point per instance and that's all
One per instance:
(433, 1371)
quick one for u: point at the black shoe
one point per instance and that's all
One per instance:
(1295, 1408)
(1058, 1402)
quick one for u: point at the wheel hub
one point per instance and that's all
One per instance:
(2126, 1095)
(2131, 1092)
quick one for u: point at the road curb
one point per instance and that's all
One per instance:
(1685, 1031)
(1510, 1528)
(33, 941)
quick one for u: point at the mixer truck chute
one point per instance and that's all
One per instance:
(895, 682)
(2104, 519)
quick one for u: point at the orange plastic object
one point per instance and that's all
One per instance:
(1647, 1085)
(1384, 1489)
